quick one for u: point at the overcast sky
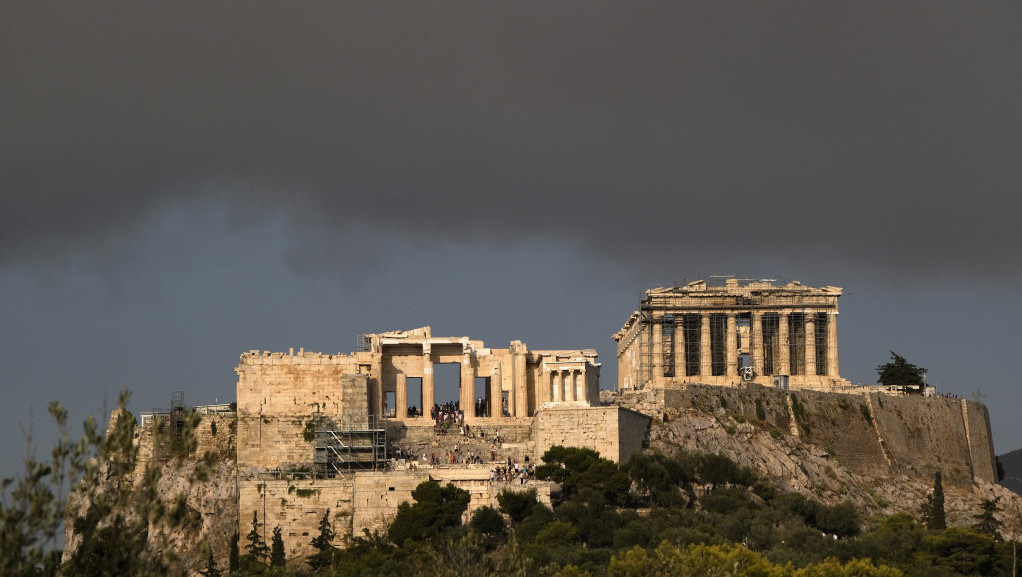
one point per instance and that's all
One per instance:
(182, 182)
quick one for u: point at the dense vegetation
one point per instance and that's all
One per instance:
(681, 514)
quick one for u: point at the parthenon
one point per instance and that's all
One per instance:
(726, 335)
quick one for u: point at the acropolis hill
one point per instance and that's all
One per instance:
(749, 371)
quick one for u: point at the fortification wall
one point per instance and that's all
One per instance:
(363, 501)
(981, 440)
(297, 507)
(871, 434)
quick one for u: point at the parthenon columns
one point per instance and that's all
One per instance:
(784, 354)
(810, 320)
(680, 359)
(658, 348)
(832, 368)
(757, 343)
(704, 346)
(717, 328)
(732, 345)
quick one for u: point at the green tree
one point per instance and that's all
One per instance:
(574, 468)
(110, 541)
(210, 570)
(855, 568)
(934, 516)
(656, 476)
(436, 509)
(962, 550)
(487, 521)
(277, 558)
(234, 559)
(694, 561)
(720, 470)
(901, 373)
(323, 544)
(257, 551)
(517, 504)
(986, 523)
(32, 504)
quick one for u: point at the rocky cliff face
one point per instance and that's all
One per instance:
(877, 451)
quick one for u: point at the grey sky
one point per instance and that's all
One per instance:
(182, 182)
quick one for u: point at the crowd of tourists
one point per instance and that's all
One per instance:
(448, 416)
(513, 471)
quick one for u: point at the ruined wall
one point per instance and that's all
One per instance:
(612, 431)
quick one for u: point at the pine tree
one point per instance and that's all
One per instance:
(234, 564)
(257, 549)
(933, 509)
(277, 549)
(323, 543)
(901, 373)
(211, 570)
(985, 521)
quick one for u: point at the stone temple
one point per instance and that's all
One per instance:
(726, 335)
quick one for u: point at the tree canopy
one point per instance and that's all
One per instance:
(436, 508)
(575, 468)
(901, 373)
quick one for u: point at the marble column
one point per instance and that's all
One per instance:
(757, 343)
(832, 360)
(401, 396)
(376, 383)
(497, 396)
(519, 392)
(810, 343)
(658, 349)
(428, 394)
(679, 346)
(705, 368)
(731, 345)
(467, 388)
(784, 354)
(569, 386)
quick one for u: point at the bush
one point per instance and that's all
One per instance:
(436, 509)
(517, 504)
(487, 521)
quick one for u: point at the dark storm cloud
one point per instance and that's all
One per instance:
(881, 133)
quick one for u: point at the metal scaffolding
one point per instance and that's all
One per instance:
(338, 451)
